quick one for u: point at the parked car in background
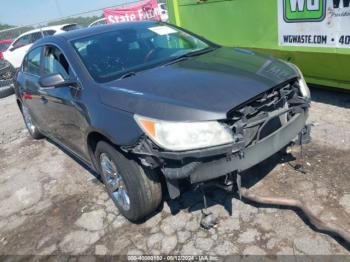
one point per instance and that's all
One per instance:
(18, 49)
(4, 45)
(143, 102)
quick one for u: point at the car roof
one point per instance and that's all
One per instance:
(85, 32)
(54, 27)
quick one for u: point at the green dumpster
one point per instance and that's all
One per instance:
(314, 34)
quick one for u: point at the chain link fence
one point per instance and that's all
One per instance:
(82, 19)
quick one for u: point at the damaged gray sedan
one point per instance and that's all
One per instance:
(145, 102)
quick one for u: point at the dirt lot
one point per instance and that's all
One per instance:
(50, 204)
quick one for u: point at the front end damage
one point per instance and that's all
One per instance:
(261, 127)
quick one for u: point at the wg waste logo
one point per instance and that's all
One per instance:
(314, 23)
(304, 10)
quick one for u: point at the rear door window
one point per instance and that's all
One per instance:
(49, 32)
(36, 36)
(70, 27)
(31, 63)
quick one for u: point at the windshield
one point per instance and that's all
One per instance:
(109, 55)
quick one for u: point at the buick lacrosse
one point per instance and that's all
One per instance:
(148, 104)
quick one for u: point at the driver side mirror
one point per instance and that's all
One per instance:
(56, 80)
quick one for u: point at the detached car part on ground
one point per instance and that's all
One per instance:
(145, 101)
(7, 73)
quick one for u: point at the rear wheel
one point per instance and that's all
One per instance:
(134, 190)
(31, 127)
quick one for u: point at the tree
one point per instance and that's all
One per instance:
(12, 34)
(80, 20)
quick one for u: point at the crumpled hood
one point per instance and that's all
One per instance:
(201, 88)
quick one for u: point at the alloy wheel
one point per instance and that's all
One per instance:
(114, 182)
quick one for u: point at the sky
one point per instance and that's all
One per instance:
(26, 12)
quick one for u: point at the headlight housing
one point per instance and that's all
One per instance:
(304, 89)
(181, 136)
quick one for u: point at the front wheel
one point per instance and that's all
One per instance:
(135, 190)
(31, 127)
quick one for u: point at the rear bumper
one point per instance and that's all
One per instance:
(200, 171)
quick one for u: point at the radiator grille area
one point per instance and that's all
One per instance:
(266, 113)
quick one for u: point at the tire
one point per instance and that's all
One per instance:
(30, 125)
(142, 186)
(6, 91)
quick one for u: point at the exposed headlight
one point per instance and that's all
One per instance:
(304, 89)
(180, 136)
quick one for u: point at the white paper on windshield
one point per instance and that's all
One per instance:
(163, 30)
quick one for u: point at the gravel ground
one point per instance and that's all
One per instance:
(50, 204)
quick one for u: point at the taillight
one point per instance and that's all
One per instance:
(1, 56)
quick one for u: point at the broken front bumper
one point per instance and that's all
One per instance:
(199, 171)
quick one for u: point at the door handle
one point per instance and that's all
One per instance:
(44, 100)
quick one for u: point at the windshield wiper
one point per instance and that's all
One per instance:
(199, 52)
(188, 55)
(126, 75)
(176, 60)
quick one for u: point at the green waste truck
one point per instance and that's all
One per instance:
(313, 34)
